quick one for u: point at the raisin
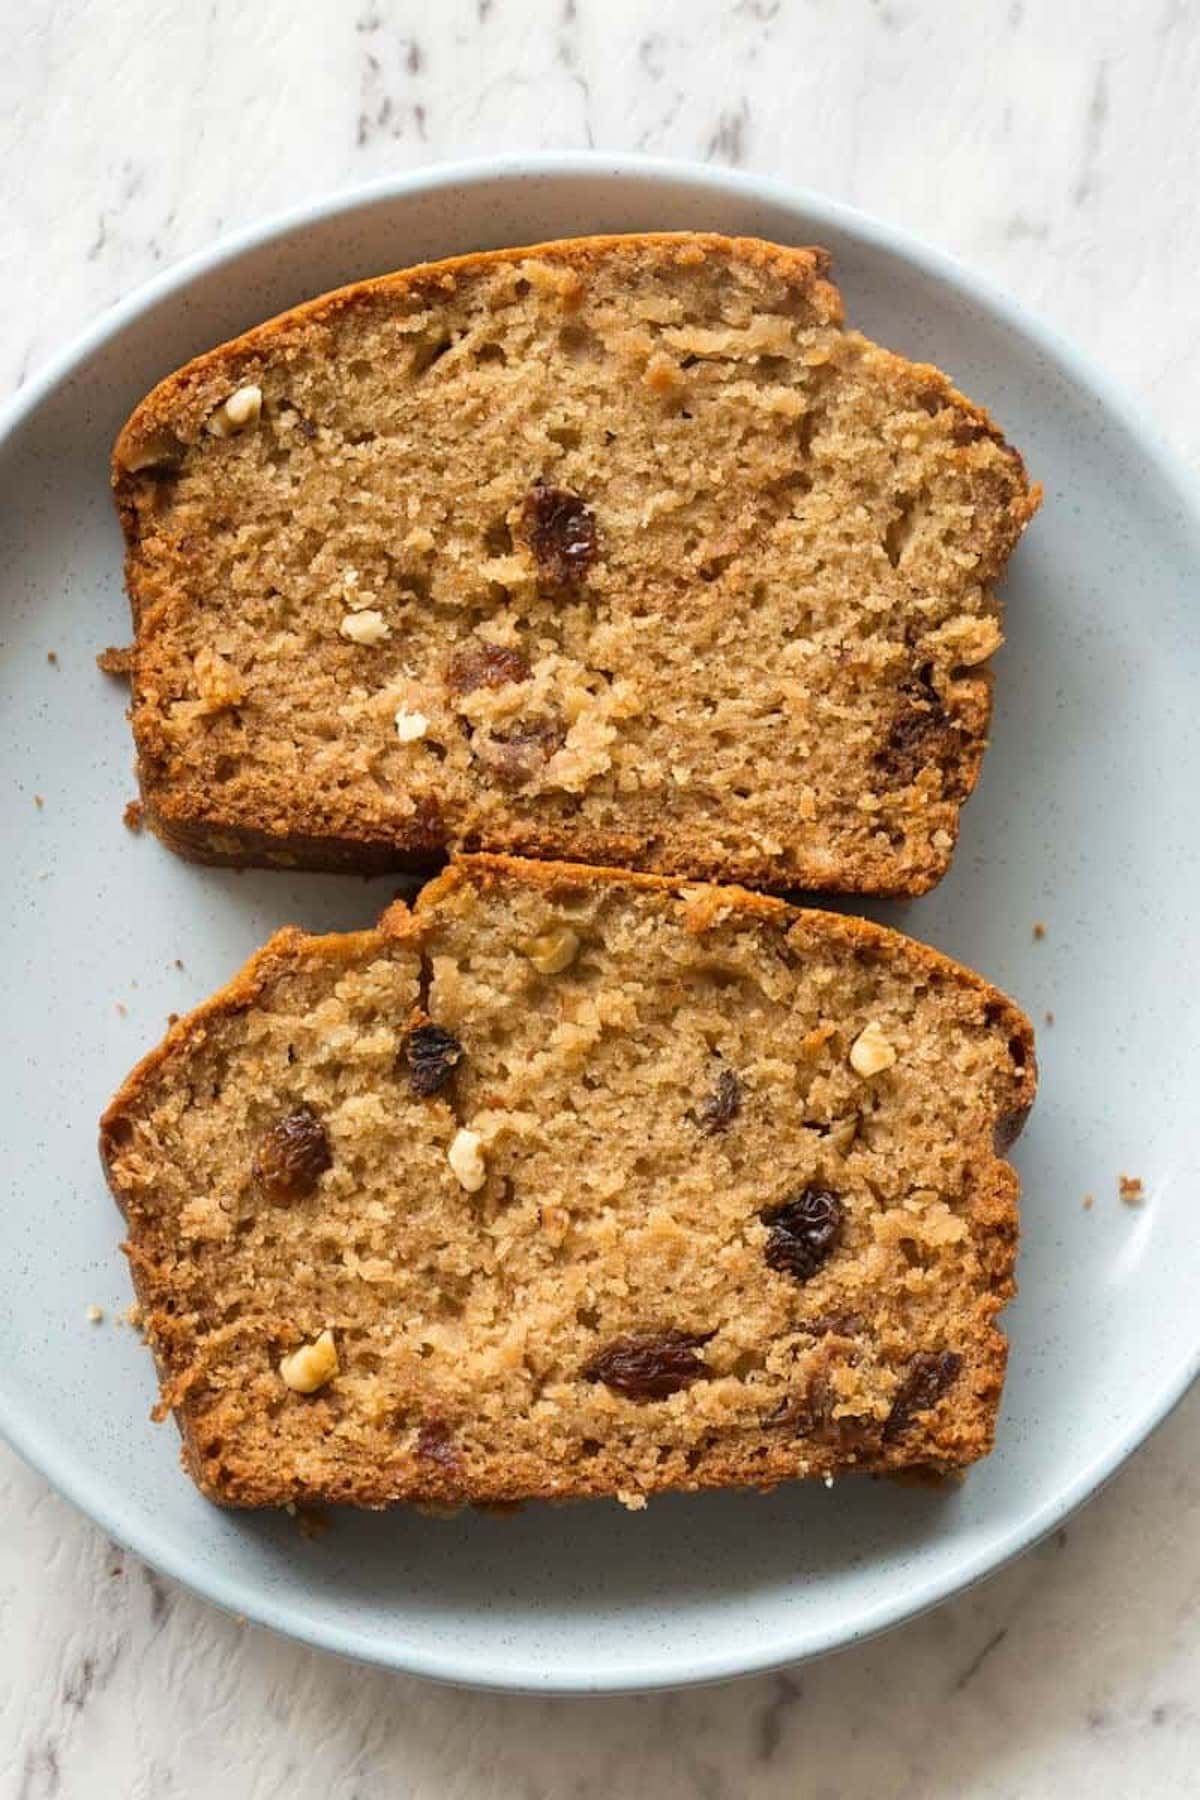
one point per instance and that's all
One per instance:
(722, 1106)
(806, 1411)
(433, 1054)
(560, 529)
(517, 757)
(484, 665)
(904, 754)
(929, 1374)
(804, 1232)
(921, 732)
(292, 1156)
(649, 1367)
(435, 1444)
(809, 1413)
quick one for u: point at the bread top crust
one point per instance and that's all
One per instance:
(703, 902)
(186, 397)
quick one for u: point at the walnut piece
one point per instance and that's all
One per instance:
(553, 951)
(238, 413)
(466, 1159)
(366, 627)
(871, 1053)
(311, 1366)
(410, 725)
(560, 530)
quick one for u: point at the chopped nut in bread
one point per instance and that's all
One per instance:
(871, 1053)
(553, 951)
(466, 1159)
(312, 1366)
(410, 725)
(241, 410)
(365, 627)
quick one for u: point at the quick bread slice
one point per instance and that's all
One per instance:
(572, 1182)
(620, 550)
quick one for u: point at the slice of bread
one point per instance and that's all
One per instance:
(620, 550)
(570, 1182)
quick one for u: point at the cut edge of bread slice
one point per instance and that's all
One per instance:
(946, 719)
(946, 1401)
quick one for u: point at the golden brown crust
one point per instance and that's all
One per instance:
(208, 821)
(946, 1435)
(726, 899)
(190, 393)
(283, 950)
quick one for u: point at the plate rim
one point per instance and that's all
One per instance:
(39, 1447)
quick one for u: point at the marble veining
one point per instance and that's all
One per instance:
(1052, 146)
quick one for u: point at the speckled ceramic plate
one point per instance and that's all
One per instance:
(1085, 819)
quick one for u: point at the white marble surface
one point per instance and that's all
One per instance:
(1052, 143)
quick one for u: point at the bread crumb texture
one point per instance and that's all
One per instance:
(620, 549)
(413, 1218)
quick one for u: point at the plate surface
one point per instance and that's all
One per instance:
(1085, 819)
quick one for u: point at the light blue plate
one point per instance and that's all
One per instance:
(1086, 818)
